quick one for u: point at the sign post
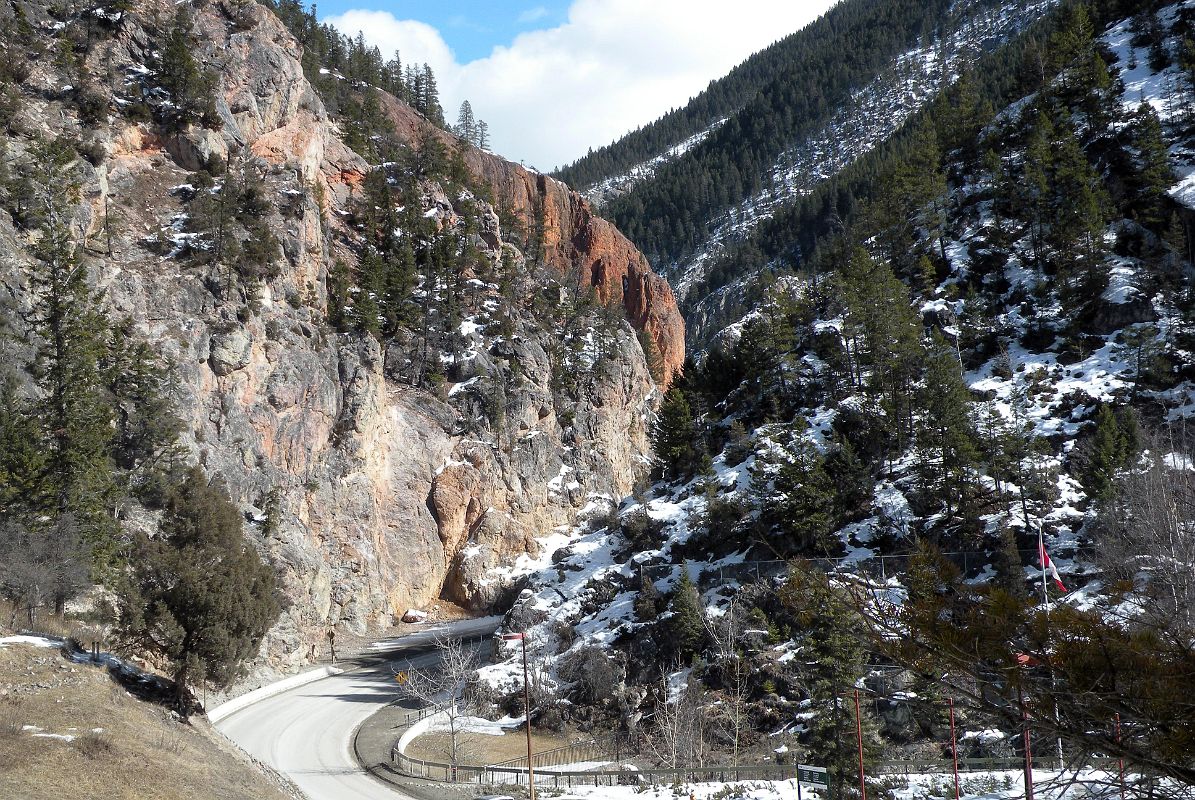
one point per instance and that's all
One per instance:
(522, 637)
(814, 776)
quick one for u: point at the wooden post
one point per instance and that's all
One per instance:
(1121, 760)
(1027, 746)
(954, 746)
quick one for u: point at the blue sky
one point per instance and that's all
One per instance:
(554, 78)
(472, 28)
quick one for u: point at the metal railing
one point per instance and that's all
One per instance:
(664, 776)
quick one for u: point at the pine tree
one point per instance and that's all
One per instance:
(801, 503)
(430, 105)
(1106, 452)
(22, 457)
(466, 123)
(198, 593)
(831, 638)
(191, 88)
(72, 327)
(946, 450)
(686, 625)
(674, 439)
(1155, 175)
(483, 135)
(144, 446)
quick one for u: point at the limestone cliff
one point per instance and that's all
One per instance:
(385, 496)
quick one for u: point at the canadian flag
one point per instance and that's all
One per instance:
(1047, 564)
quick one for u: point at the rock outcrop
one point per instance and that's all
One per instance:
(383, 497)
(577, 242)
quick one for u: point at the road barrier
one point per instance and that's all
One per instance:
(505, 774)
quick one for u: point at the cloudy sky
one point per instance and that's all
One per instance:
(554, 78)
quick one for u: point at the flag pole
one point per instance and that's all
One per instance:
(1045, 599)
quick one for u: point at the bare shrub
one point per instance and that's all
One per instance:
(11, 718)
(594, 675)
(95, 745)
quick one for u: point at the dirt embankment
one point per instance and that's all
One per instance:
(69, 730)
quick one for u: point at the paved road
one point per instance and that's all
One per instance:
(306, 733)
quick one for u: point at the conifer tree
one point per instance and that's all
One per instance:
(834, 659)
(1106, 452)
(1155, 175)
(802, 503)
(686, 623)
(945, 430)
(198, 594)
(466, 123)
(72, 328)
(675, 436)
(22, 457)
(191, 88)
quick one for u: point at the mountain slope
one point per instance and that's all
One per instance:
(853, 479)
(790, 133)
(391, 427)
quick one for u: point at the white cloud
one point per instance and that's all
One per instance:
(614, 65)
(534, 14)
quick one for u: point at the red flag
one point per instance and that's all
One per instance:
(1047, 564)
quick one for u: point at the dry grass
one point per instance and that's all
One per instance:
(123, 749)
(480, 748)
(68, 627)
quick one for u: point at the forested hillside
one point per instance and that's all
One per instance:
(803, 110)
(977, 372)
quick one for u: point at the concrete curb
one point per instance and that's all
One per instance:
(236, 704)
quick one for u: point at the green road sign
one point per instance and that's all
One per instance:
(813, 776)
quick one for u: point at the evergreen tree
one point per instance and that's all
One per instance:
(466, 123)
(686, 624)
(192, 89)
(801, 503)
(198, 593)
(144, 446)
(674, 439)
(1155, 176)
(22, 457)
(946, 451)
(831, 636)
(1103, 455)
(72, 328)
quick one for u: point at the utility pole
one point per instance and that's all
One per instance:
(859, 736)
(522, 637)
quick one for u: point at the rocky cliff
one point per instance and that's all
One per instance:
(576, 242)
(370, 496)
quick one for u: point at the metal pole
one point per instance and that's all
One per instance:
(1121, 758)
(1045, 598)
(527, 710)
(859, 736)
(1028, 750)
(954, 746)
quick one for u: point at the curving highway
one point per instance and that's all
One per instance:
(306, 733)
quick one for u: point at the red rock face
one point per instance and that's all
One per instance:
(577, 242)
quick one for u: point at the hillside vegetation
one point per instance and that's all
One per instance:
(989, 348)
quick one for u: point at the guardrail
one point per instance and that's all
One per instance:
(497, 775)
